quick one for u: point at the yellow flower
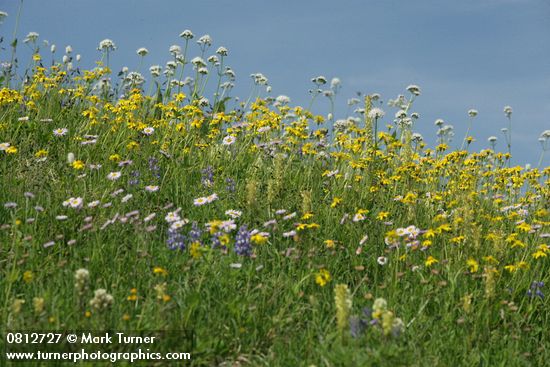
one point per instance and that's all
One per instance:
(27, 276)
(133, 295)
(490, 259)
(11, 150)
(524, 227)
(258, 239)
(335, 202)
(195, 250)
(410, 198)
(322, 277)
(114, 157)
(132, 145)
(224, 239)
(430, 233)
(330, 243)
(474, 266)
(539, 254)
(511, 268)
(458, 239)
(41, 153)
(382, 215)
(160, 271)
(445, 227)
(430, 261)
(307, 216)
(78, 165)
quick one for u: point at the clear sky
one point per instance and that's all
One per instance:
(481, 54)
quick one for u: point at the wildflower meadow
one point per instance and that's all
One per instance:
(264, 233)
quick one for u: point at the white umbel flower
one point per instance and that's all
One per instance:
(107, 45)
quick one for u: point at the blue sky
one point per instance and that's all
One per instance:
(481, 54)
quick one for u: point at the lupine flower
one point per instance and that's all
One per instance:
(243, 246)
(207, 176)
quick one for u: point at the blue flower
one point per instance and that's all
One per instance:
(242, 242)
(175, 240)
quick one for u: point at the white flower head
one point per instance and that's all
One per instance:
(151, 188)
(376, 113)
(508, 111)
(93, 204)
(282, 100)
(205, 40)
(60, 132)
(233, 213)
(113, 176)
(155, 70)
(229, 140)
(142, 51)
(204, 102)
(187, 34)
(75, 203)
(106, 45)
(198, 62)
(222, 51)
(211, 198)
(175, 50)
(148, 131)
(414, 89)
(172, 217)
(200, 201)
(31, 37)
